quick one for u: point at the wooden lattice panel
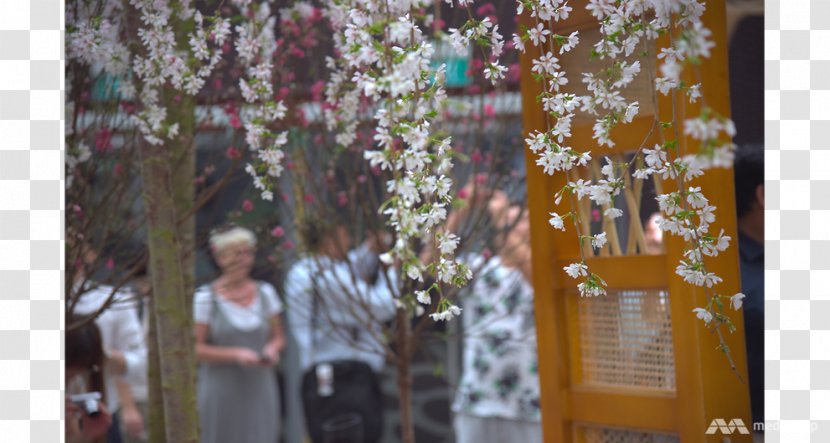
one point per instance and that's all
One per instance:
(626, 340)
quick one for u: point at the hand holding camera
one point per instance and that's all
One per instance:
(88, 402)
(86, 417)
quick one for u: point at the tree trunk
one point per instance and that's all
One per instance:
(155, 415)
(404, 364)
(181, 109)
(172, 315)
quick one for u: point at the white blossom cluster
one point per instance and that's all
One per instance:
(165, 62)
(92, 39)
(484, 34)
(99, 45)
(385, 61)
(255, 46)
(95, 38)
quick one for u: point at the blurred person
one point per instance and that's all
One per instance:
(121, 333)
(653, 235)
(749, 200)
(498, 395)
(239, 337)
(133, 387)
(336, 305)
(84, 373)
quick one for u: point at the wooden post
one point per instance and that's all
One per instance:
(704, 388)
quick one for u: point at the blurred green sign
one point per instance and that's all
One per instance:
(457, 65)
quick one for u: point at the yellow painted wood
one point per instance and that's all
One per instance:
(706, 387)
(634, 272)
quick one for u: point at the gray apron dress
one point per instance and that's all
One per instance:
(238, 404)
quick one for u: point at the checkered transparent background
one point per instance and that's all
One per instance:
(31, 217)
(797, 227)
(798, 219)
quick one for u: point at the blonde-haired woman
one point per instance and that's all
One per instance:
(238, 341)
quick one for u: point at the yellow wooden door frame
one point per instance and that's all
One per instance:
(706, 388)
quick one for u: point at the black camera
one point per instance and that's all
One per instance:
(88, 402)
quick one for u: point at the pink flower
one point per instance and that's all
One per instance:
(514, 73)
(595, 217)
(288, 244)
(361, 179)
(103, 140)
(235, 121)
(278, 232)
(309, 198)
(485, 9)
(476, 157)
(110, 264)
(481, 178)
(463, 194)
(487, 253)
(129, 108)
(489, 110)
(297, 52)
(232, 153)
(308, 41)
(301, 117)
(317, 90)
(247, 206)
(342, 199)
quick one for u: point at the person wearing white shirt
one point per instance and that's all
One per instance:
(116, 316)
(349, 311)
(338, 302)
(121, 334)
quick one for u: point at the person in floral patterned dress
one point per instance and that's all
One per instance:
(498, 395)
